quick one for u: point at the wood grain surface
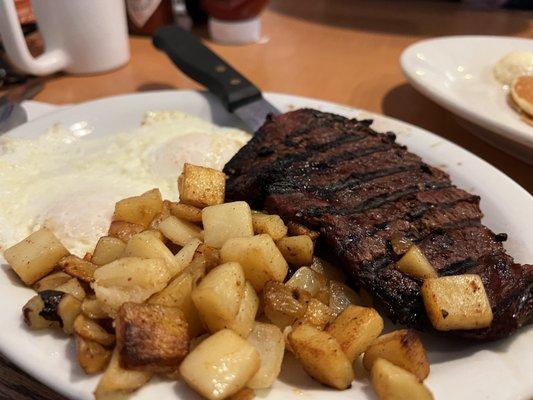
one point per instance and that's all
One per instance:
(344, 51)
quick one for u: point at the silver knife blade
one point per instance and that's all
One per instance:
(254, 113)
(11, 112)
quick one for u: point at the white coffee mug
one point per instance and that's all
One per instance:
(80, 36)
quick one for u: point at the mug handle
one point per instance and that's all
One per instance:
(15, 45)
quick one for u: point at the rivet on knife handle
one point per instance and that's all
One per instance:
(201, 64)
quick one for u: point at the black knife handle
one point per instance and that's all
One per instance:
(205, 67)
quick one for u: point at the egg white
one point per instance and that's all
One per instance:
(71, 184)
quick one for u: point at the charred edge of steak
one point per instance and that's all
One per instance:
(360, 189)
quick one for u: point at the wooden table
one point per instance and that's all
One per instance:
(340, 50)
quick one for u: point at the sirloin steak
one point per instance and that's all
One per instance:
(364, 193)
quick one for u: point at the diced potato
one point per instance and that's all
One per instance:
(153, 194)
(243, 394)
(226, 221)
(77, 268)
(184, 257)
(72, 287)
(218, 296)
(92, 357)
(415, 264)
(211, 256)
(317, 314)
(355, 328)
(146, 245)
(186, 212)
(51, 281)
(116, 382)
(128, 279)
(307, 279)
(394, 383)
(165, 213)
(92, 308)
(35, 256)
(283, 305)
(298, 229)
(243, 322)
(139, 210)
(151, 337)
(259, 257)
(201, 186)
(327, 269)
(178, 231)
(457, 302)
(124, 230)
(268, 340)
(107, 250)
(402, 348)
(297, 250)
(272, 225)
(178, 294)
(90, 330)
(321, 356)
(32, 314)
(68, 310)
(221, 365)
(340, 297)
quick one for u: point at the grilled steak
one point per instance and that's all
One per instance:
(363, 191)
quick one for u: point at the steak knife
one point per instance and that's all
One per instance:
(240, 96)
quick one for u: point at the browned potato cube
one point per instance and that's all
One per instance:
(92, 357)
(296, 229)
(107, 250)
(457, 302)
(77, 268)
(151, 337)
(221, 365)
(394, 383)
(116, 382)
(259, 257)
(355, 328)
(178, 231)
(201, 186)
(165, 213)
(317, 314)
(35, 256)
(186, 212)
(124, 230)
(321, 356)
(243, 394)
(51, 281)
(414, 263)
(272, 225)
(90, 330)
(211, 256)
(226, 221)
(92, 308)
(402, 348)
(139, 210)
(297, 250)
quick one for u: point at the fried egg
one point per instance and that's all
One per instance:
(70, 184)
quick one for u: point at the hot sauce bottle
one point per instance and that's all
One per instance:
(145, 16)
(234, 21)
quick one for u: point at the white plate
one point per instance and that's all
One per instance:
(499, 371)
(456, 72)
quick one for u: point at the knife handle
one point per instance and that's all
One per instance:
(205, 67)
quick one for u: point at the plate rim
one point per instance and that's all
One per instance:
(520, 136)
(47, 379)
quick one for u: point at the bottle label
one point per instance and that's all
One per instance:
(140, 11)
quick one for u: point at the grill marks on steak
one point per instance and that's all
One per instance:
(362, 190)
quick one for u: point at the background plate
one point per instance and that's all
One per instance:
(499, 371)
(456, 72)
